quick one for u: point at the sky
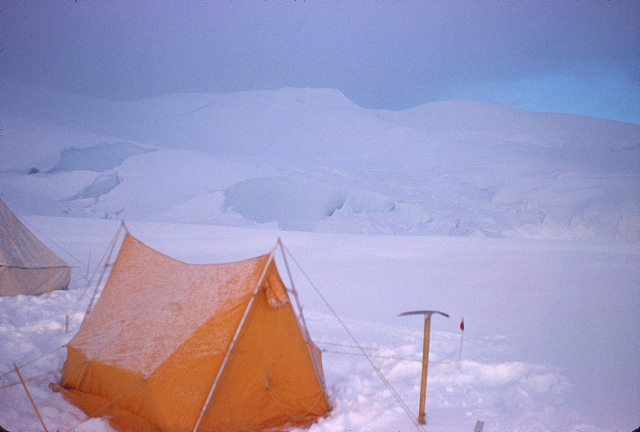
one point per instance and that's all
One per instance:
(569, 56)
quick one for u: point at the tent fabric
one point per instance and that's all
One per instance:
(27, 266)
(150, 351)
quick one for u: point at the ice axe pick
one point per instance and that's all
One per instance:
(425, 355)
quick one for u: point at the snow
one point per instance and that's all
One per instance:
(525, 224)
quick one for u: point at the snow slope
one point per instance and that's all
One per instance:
(447, 168)
(524, 223)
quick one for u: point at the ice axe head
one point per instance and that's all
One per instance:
(427, 313)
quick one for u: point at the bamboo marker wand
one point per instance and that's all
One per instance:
(30, 398)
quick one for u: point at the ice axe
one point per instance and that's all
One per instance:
(425, 355)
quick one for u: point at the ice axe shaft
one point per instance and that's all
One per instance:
(425, 355)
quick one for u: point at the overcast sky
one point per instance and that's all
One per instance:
(570, 56)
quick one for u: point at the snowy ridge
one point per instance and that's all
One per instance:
(314, 161)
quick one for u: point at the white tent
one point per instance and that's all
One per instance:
(27, 266)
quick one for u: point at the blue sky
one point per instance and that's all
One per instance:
(570, 56)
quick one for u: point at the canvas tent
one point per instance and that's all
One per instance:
(27, 266)
(172, 346)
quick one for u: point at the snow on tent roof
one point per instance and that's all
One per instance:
(170, 345)
(27, 266)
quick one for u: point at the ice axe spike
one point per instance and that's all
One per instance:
(425, 355)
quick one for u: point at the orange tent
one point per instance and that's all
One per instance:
(172, 346)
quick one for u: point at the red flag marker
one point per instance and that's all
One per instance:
(461, 340)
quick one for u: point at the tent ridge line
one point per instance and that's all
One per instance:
(235, 338)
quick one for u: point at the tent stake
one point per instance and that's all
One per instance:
(53, 263)
(88, 266)
(30, 398)
(425, 356)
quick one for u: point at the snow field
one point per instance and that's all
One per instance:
(511, 379)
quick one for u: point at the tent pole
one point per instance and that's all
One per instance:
(233, 341)
(89, 280)
(104, 269)
(295, 292)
